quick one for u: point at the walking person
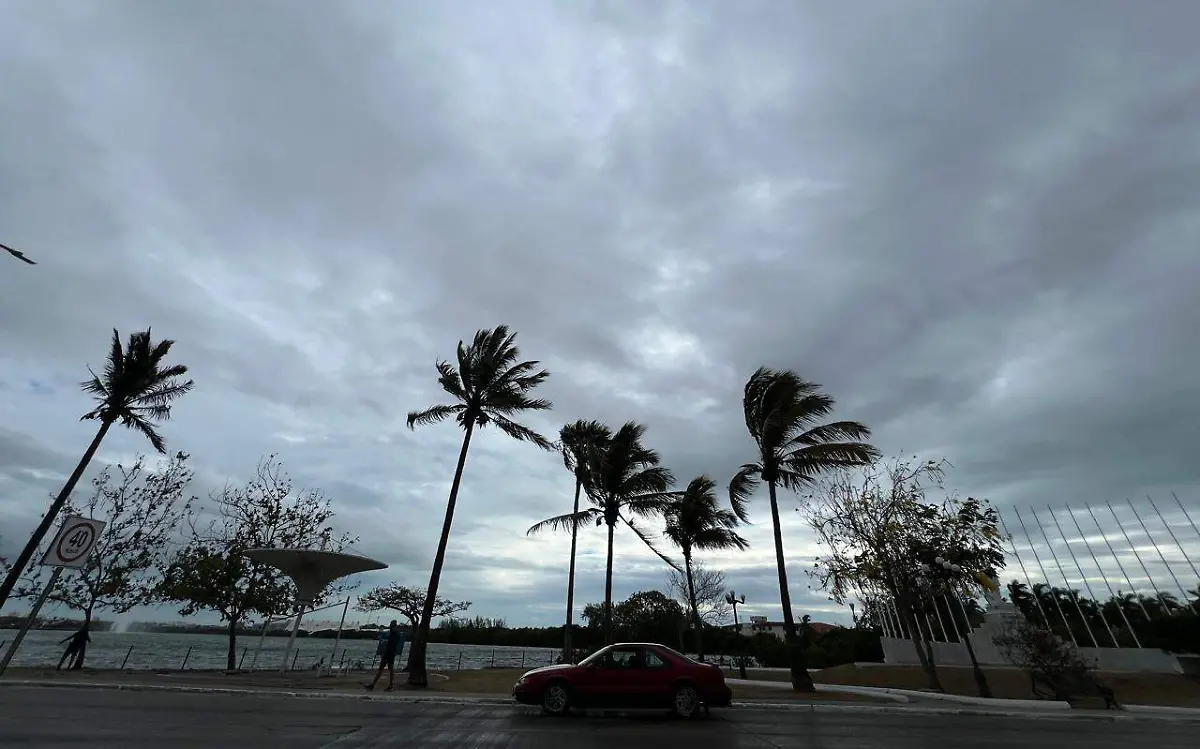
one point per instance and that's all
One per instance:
(75, 645)
(391, 647)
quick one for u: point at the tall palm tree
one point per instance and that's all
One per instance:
(623, 480)
(782, 414)
(576, 441)
(491, 386)
(136, 389)
(697, 522)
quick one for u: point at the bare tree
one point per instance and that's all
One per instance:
(710, 593)
(408, 602)
(211, 572)
(143, 510)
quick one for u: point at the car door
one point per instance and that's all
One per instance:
(617, 683)
(655, 677)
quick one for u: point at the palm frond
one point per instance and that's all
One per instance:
(650, 544)
(569, 521)
(742, 487)
(432, 415)
(520, 432)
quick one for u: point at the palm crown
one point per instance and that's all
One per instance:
(695, 520)
(782, 413)
(576, 440)
(491, 387)
(136, 388)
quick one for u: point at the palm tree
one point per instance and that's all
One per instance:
(492, 386)
(575, 441)
(696, 522)
(623, 480)
(782, 413)
(136, 389)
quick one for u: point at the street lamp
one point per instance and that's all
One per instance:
(944, 570)
(734, 600)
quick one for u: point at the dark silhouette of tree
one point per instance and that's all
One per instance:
(211, 572)
(576, 441)
(623, 480)
(783, 414)
(696, 522)
(136, 390)
(491, 386)
(409, 603)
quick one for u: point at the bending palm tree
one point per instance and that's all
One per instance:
(136, 389)
(782, 411)
(623, 479)
(695, 522)
(491, 387)
(576, 441)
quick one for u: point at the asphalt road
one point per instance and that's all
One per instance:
(44, 718)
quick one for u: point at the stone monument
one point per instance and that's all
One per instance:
(999, 617)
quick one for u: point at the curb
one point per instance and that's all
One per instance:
(908, 695)
(1143, 713)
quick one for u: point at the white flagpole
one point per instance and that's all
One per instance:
(1042, 567)
(1161, 556)
(1186, 514)
(1112, 595)
(1132, 589)
(1182, 550)
(1138, 556)
(1070, 593)
(1087, 586)
(1028, 581)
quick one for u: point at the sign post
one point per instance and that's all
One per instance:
(70, 549)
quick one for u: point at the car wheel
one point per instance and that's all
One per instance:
(556, 698)
(686, 702)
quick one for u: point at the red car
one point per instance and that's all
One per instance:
(630, 675)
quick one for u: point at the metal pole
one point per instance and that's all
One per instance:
(283, 666)
(1071, 594)
(261, 638)
(127, 654)
(1182, 550)
(1138, 556)
(1160, 554)
(950, 613)
(1046, 577)
(1186, 514)
(1111, 593)
(1028, 580)
(12, 649)
(1137, 599)
(1083, 577)
(904, 631)
(243, 658)
(337, 640)
(186, 655)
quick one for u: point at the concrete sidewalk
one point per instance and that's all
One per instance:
(909, 695)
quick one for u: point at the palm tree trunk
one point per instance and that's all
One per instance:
(22, 561)
(231, 653)
(568, 653)
(417, 676)
(608, 612)
(687, 563)
(801, 681)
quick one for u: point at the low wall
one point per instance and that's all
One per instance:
(1145, 660)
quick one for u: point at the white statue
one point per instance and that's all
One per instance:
(991, 592)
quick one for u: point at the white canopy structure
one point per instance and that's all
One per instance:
(312, 570)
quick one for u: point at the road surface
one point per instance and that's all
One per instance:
(44, 718)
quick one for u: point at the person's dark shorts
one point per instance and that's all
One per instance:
(389, 657)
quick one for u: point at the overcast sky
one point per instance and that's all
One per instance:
(975, 223)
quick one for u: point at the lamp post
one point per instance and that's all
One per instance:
(734, 600)
(944, 571)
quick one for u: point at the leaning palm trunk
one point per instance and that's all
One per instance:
(417, 675)
(568, 651)
(801, 681)
(23, 559)
(687, 563)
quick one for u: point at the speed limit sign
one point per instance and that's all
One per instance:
(74, 542)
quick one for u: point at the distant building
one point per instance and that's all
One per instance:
(759, 624)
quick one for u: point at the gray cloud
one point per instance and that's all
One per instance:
(974, 225)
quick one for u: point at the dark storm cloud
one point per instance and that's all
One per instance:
(975, 225)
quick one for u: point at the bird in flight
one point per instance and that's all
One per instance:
(17, 254)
